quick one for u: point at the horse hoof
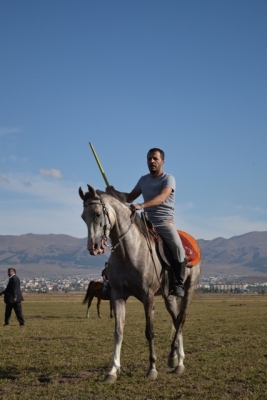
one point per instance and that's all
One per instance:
(152, 374)
(100, 316)
(110, 378)
(179, 369)
(173, 361)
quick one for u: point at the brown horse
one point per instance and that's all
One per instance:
(95, 289)
(134, 270)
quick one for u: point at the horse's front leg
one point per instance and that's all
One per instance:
(110, 309)
(149, 306)
(88, 306)
(119, 313)
(87, 312)
(177, 355)
(172, 308)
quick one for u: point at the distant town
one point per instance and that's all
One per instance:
(79, 283)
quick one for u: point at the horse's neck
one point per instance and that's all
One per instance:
(122, 219)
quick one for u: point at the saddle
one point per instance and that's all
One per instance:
(190, 245)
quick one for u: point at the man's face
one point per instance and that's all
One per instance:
(10, 272)
(155, 163)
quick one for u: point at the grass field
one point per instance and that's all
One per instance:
(60, 354)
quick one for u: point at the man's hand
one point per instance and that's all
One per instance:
(136, 207)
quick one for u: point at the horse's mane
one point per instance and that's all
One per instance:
(121, 197)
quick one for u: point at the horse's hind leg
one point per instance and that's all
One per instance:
(177, 346)
(119, 313)
(149, 306)
(98, 307)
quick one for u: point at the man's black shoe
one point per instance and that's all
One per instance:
(178, 291)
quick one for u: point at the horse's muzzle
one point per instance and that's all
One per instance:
(94, 249)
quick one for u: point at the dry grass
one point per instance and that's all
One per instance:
(60, 354)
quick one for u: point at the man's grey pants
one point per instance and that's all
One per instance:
(169, 234)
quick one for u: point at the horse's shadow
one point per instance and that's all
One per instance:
(10, 373)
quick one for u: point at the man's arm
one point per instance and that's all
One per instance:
(156, 201)
(125, 197)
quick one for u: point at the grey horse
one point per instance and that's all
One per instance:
(134, 270)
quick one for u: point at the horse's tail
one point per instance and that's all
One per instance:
(88, 292)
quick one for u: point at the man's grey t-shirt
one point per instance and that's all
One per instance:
(151, 187)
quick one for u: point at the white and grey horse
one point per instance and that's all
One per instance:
(134, 270)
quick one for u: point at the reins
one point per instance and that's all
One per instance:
(125, 233)
(148, 240)
(106, 215)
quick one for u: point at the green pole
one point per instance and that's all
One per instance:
(99, 164)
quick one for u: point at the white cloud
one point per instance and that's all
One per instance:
(185, 206)
(247, 209)
(37, 187)
(26, 183)
(45, 206)
(55, 173)
(44, 221)
(210, 227)
(3, 179)
(37, 204)
(7, 131)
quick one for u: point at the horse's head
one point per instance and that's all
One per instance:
(96, 217)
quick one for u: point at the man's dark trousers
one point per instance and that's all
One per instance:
(18, 311)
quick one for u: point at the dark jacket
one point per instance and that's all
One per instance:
(13, 290)
(105, 273)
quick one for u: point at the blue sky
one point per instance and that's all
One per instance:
(186, 76)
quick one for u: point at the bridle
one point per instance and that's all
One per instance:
(125, 233)
(100, 201)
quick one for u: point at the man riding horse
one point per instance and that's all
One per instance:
(158, 190)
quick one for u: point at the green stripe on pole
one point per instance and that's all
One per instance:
(99, 164)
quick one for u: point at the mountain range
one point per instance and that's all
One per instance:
(47, 255)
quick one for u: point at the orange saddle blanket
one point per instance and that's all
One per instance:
(192, 250)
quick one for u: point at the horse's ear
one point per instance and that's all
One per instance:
(82, 196)
(92, 190)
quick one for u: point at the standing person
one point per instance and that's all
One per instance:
(13, 297)
(158, 190)
(106, 285)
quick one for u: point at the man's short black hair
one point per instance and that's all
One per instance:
(162, 154)
(106, 263)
